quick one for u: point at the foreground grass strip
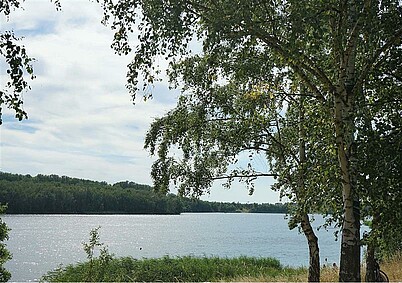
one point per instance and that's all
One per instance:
(178, 269)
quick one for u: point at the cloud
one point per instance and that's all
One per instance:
(81, 119)
(82, 122)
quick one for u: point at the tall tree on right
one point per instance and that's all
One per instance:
(379, 151)
(332, 47)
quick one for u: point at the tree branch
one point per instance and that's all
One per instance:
(380, 51)
(239, 176)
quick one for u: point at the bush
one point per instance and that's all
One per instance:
(5, 255)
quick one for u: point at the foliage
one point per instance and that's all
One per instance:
(211, 134)
(379, 149)
(96, 264)
(4, 253)
(222, 137)
(61, 194)
(332, 48)
(310, 181)
(20, 64)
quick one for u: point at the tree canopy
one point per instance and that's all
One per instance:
(326, 51)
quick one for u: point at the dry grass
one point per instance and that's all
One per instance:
(268, 279)
(392, 267)
(280, 278)
(330, 274)
(287, 274)
(327, 275)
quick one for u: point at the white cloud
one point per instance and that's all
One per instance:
(81, 119)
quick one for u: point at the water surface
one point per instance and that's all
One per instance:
(40, 243)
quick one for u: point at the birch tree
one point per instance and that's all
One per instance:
(379, 151)
(332, 47)
(219, 135)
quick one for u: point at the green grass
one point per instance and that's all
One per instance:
(178, 269)
(194, 269)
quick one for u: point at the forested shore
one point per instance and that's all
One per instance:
(53, 194)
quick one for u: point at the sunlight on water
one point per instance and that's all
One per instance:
(40, 243)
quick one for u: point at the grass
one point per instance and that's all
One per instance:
(194, 269)
(393, 268)
(168, 269)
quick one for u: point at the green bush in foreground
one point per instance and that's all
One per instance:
(170, 269)
(5, 255)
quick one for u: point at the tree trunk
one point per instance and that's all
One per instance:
(344, 115)
(371, 264)
(314, 251)
(349, 270)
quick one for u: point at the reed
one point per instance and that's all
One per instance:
(178, 269)
(195, 269)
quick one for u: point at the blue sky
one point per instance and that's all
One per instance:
(82, 122)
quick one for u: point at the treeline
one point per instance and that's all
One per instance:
(53, 194)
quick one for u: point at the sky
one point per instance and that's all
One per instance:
(82, 122)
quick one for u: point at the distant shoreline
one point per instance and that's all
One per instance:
(53, 194)
(144, 214)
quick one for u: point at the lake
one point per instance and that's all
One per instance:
(40, 243)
